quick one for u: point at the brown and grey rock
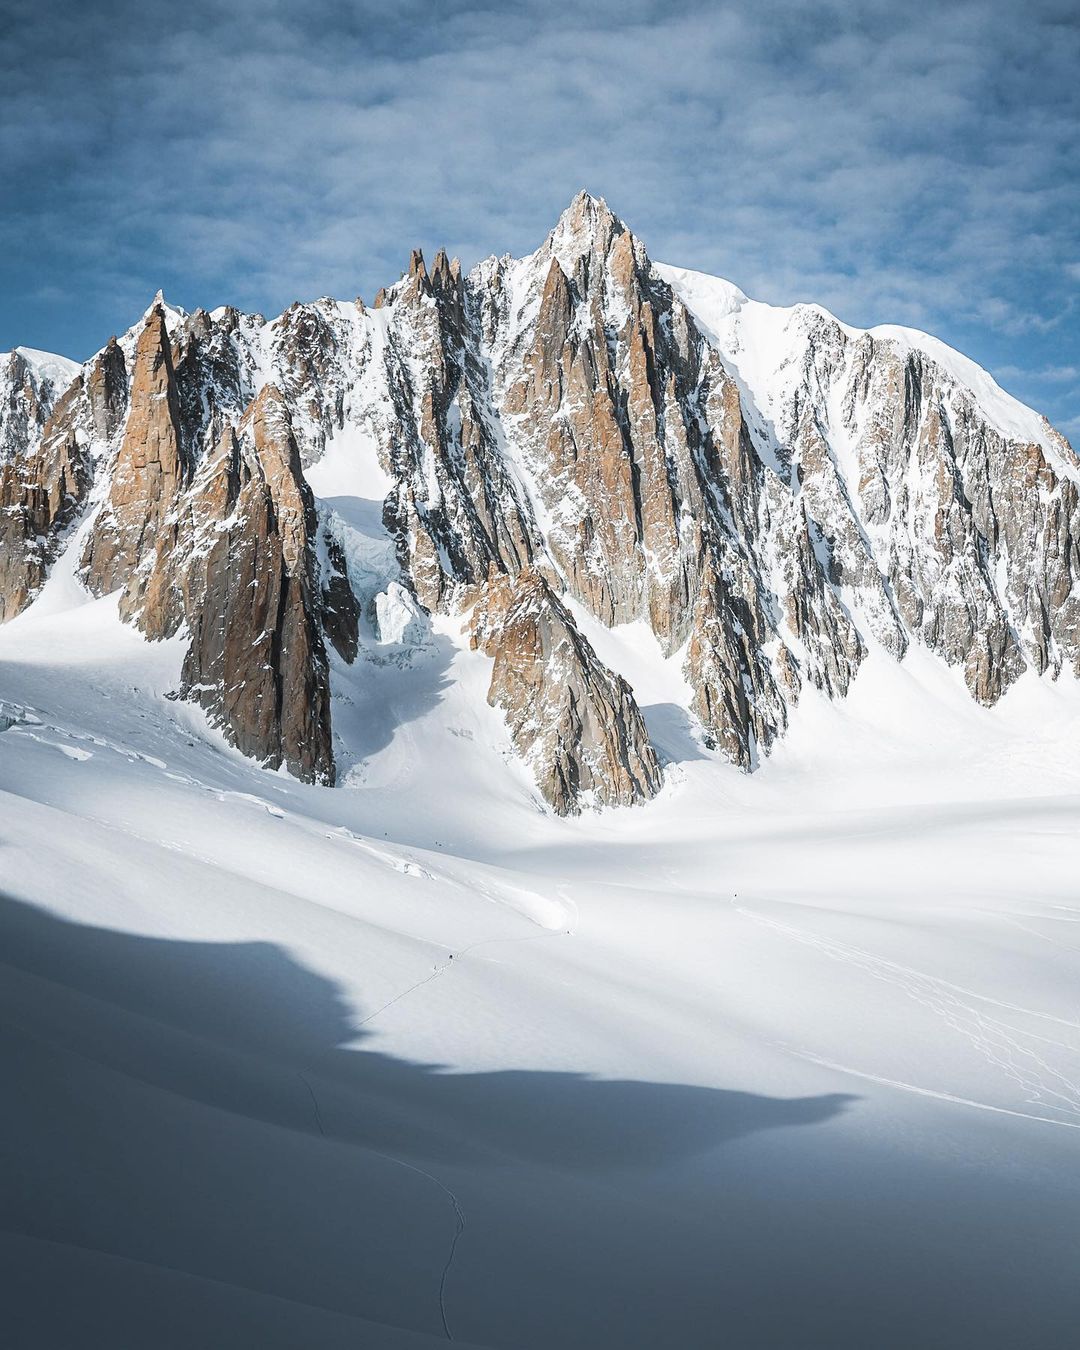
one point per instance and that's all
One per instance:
(147, 476)
(573, 721)
(224, 549)
(257, 661)
(635, 436)
(107, 390)
(455, 508)
(41, 493)
(236, 567)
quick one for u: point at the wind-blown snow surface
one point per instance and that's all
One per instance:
(790, 1060)
(760, 339)
(48, 366)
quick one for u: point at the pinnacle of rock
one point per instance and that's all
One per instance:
(571, 719)
(586, 225)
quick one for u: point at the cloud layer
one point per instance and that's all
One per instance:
(913, 164)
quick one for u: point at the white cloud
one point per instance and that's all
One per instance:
(892, 164)
(1071, 426)
(1046, 375)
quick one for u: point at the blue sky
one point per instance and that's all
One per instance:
(912, 163)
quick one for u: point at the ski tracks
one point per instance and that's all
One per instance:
(441, 969)
(1021, 1055)
(459, 1213)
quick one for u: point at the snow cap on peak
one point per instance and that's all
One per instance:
(159, 302)
(48, 366)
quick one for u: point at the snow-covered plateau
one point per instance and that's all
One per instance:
(339, 1005)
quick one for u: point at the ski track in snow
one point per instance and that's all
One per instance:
(448, 964)
(439, 970)
(459, 1213)
(996, 1040)
(922, 1091)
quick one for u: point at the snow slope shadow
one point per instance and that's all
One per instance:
(672, 732)
(219, 1022)
(184, 1107)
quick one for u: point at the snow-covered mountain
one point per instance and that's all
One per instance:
(781, 1059)
(30, 383)
(773, 493)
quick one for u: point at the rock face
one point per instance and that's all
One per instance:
(147, 476)
(572, 720)
(44, 475)
(224, 546)
(944, 512)
(455, 508)
(774, 494)
(31, 384)
(633, 434)
(41, 492)
(236, 566)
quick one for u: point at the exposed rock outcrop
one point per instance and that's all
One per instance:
(240, 573)
(573, 721)
(454, 508)
(31, 385)
(146, 478)
(633, 432)
(226, 550)
(107, 390)
(42, 490)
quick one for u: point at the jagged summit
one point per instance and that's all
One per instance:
(585, 207)
(578, 436)
(587, 226)
(174, 312)
(31, 383)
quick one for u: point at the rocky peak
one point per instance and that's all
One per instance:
(31, 383)
(416, 264)
(42, 489)
(22, 411)
(172, 315)
(147, 474)
(227, 552)
(443, 267)
(573, 721)
(246, 568)
(585, 229)
(107, 390)
(633, 433)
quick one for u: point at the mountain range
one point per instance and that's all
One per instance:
(578, 438)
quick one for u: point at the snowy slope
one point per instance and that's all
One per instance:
(780, 1060)
(789, 1059)
(48, 366)
(761, 340)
